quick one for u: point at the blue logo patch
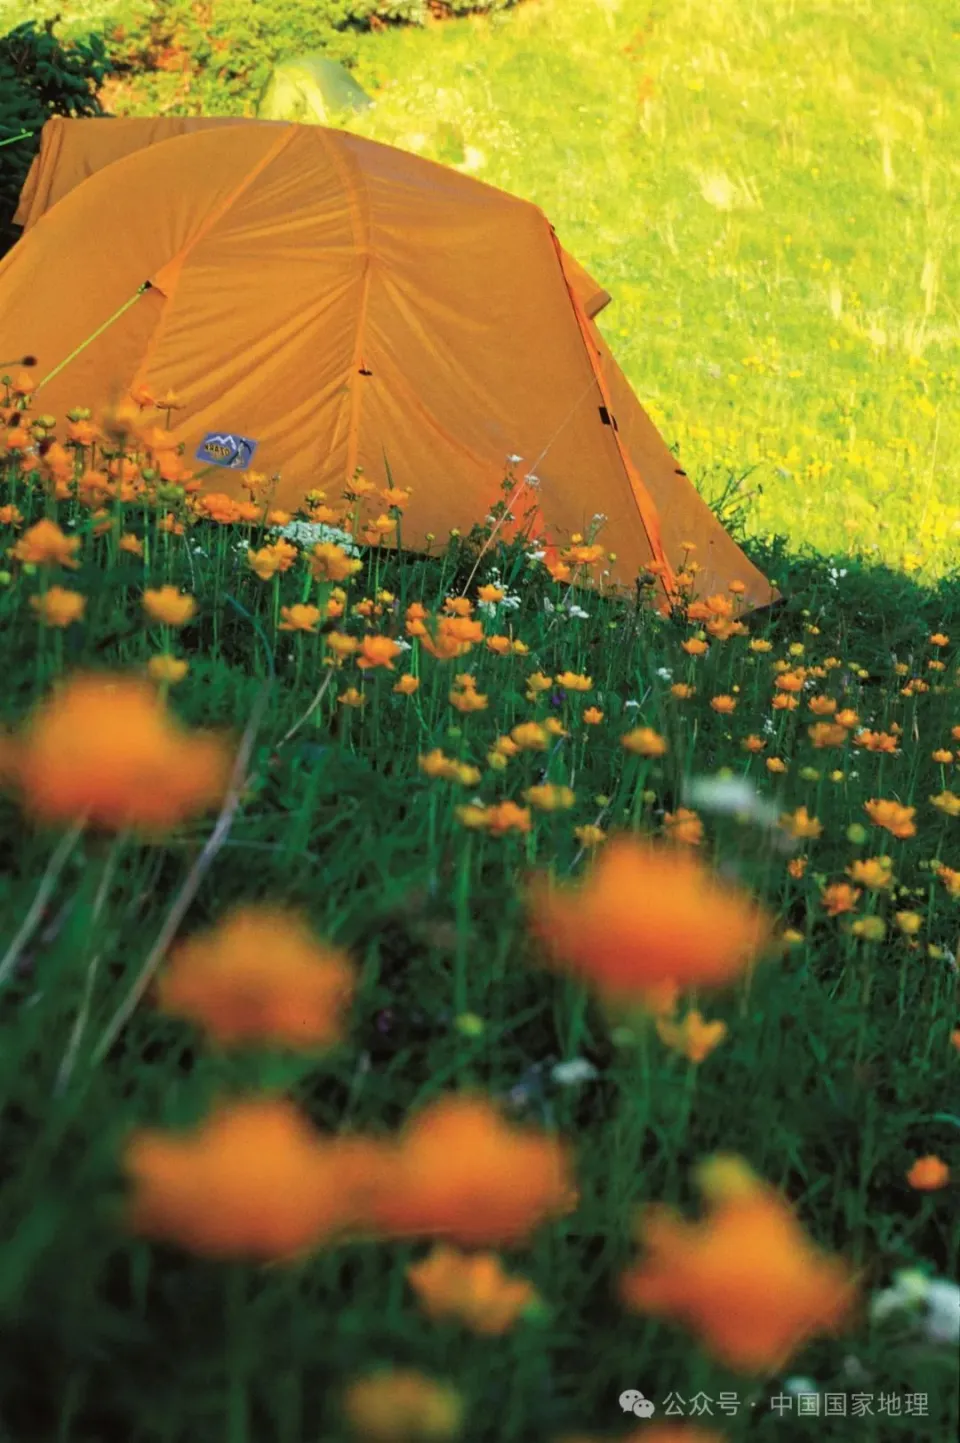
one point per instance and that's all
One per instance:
(225, 448)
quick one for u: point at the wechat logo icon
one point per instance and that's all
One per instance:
(633, 1401)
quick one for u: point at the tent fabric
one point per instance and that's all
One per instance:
(343, 303)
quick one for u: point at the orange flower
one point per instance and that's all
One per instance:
(299, 618)
(130, 543)
(694, 646)
(839, 897)
(589, 835)
(549, 798)
(329, 562)
(683, 826)
(725, 705)
(377, 651)
(490, 594)
(460, 1172)
(753, 743)
(592, 716)
(104, 747)
(747, 1281)
(499, 819)
(10, 516)
(407, 685)
(822, 705)
(167, 670)
(646, 916)
(529, 737)
(873, 872)
(44, 544)
(397, 1405)
(58, 606)
(458, 605)
(168, 606)
(827, 734)
(471, 1287)
(896, 819)
(352, 697)
(791, 681)
(253, 1180)
(876, 741)
(644, 742)
(928, 1174)
(800, 824)
(260, 976)
(466, 698)
(693, 1037)
(573, 681)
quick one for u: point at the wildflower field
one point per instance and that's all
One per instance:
(444, 999)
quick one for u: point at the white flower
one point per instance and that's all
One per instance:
(578, 1069)
(538, 555)
(311, 533)
(932, 1303)
(489, 608)
(548, 606)
(578, 613)
(734, 795)
(664, 673)
(768, 726)
(631, 705)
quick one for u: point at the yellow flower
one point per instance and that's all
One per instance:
(549, 797)
(499, 819)
(776, 764)
(873, 872)
(801, 824)
(693, 1037)
(760, 643)
(909, 922)
(572, 681)
(266, 562)
(589, 836)
(435, 764)
(400, 1405)
(299, 618)
(500, 645)
(472, 1288)
(872, 929)
(168, 606)
(59, 607)
(942, 756)
(530, 737)
(166, 669)
(491, 594)
(947, 802)
(341, 644)
(644, 742)
(351, 697)
(538, 682)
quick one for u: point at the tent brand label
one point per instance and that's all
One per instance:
(226, 448)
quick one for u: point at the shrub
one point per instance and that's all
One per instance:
(226, 49)
(39, 77)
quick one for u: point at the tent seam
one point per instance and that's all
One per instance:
(645, 504)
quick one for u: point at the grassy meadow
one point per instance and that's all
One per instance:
(446, 999)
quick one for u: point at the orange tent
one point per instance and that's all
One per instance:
(319, 301)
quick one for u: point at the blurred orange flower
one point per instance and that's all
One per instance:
(299, 617)
(747, 1280)
(168, 606)
(260, 976)
(399, 1405)
(329, 562)
(167, 670)
(644, 742)
(928, 1174)
(378, 651)
(58, 606)
(645, 916)
(44, 544)
(252, 1180)
(471, 1287)
(104, 747)
(460, 1172)
(693, 1037)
